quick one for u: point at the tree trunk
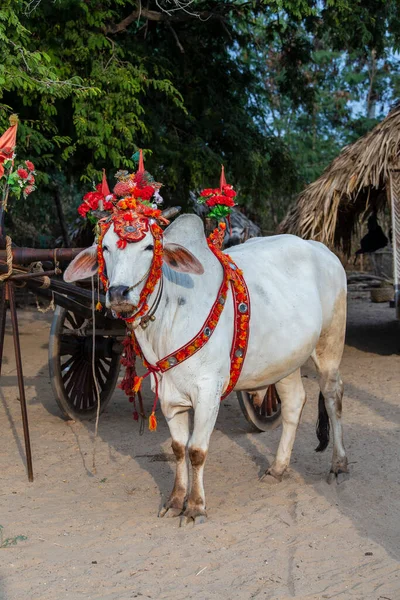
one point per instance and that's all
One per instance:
(372, 94)
(61, 218)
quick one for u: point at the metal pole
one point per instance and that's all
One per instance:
(14, 321)
(3, 312)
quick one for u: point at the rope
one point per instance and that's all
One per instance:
(96, 383)
(51, 305)
(46, 282)
(37, 267)
(5, 276)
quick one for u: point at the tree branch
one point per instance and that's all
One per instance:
(181, 48)
(152, 15)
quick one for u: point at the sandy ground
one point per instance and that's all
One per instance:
(98, 536)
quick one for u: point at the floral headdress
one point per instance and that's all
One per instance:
(134, 191)
(133, 210)
(220, 200)
(17, 181)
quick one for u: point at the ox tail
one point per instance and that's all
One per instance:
(322, 427)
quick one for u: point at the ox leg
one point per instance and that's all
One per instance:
(293, 397)
(327, 357)
(205, 415)
(179, 428)
(332, 391)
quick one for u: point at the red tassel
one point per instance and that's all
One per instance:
(137, 384)
(122, 244)
(153, 422)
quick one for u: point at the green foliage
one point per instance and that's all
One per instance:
(271, 89)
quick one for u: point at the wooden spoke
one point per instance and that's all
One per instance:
(70, 363)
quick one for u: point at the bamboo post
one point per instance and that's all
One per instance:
(394, 201)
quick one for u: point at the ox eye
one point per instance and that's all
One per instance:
(149, 247)
(105, 249)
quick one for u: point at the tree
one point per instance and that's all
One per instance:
(267, 88)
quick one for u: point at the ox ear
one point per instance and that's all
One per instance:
(180, 259)
(84, 265)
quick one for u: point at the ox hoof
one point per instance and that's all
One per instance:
(270, 477)
(170, 511)
(339, 476)
(194, 516)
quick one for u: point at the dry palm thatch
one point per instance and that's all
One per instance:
(351, 187)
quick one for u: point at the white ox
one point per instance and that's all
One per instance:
(298, 310)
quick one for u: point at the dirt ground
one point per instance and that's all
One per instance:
(98, 536)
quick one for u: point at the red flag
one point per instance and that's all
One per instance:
(8, 141)
(222, 181)
(141, 163)
(105, 190)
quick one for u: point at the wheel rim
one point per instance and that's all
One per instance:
(265, 415)
(71, 366)
(270, 406)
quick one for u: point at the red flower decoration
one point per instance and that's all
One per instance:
(30, 165)
(144, 193)
(22, 173)
(208, 192)
(28, 190)
(229, 191)
(218, 197)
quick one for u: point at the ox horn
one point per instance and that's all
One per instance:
(170, 213)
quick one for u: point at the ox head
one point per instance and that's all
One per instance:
(127, 265)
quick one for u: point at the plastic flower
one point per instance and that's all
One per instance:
(28, 190)
(144, 193)
(229, 191)
(208, 192)
(30, 165)
(22, 173)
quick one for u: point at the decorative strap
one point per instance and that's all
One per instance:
(241, 303)
(131, 383)
(202, 337)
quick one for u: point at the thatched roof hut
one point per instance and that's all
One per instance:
(359, 181)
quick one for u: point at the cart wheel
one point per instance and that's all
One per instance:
(70, 366)
(267, 415)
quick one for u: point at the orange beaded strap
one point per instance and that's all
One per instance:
(202, 337)
(241, 301)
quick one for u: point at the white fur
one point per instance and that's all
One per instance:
(293, 286)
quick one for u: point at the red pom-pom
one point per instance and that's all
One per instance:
(30, 165)
(153, 422)
(122, 189)
(22, 173)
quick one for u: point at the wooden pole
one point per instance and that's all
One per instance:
(394, 199)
